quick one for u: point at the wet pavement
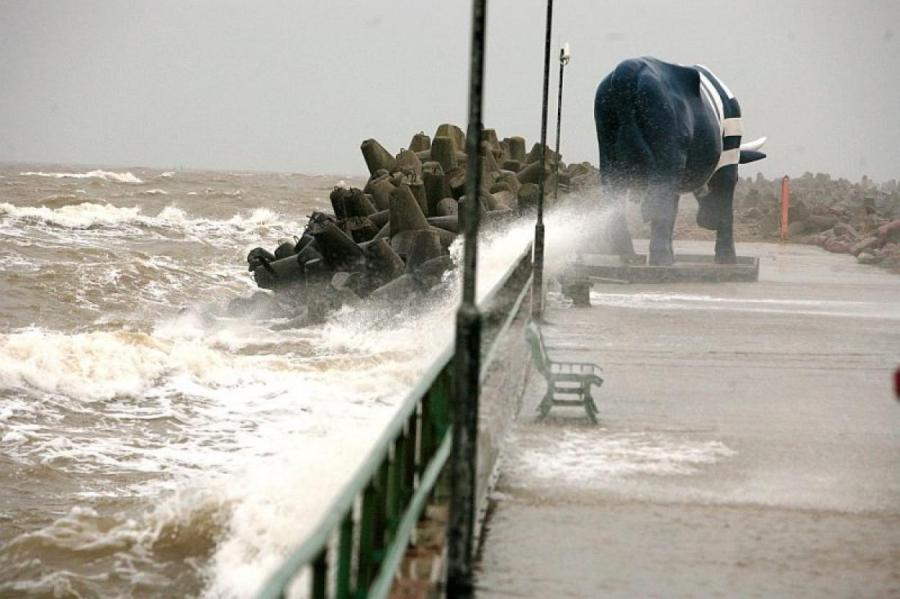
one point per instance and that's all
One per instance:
(749, 442)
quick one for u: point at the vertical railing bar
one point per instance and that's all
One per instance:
(446, 386)
(409, 466)
(344, 582)
(393, 491)
(448, 391)
(320, 575)
(426, 425)
(380, 522)
(365, 557)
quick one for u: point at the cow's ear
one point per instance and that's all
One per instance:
(689, 79)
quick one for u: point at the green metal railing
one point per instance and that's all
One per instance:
(357, 547)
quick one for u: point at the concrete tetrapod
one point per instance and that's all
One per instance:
(435, 183)
(348, 203)
(443, 152)
(447, 223)
(454, 133)
(420, 142)
(376, 156)
(380, 188)
(382, 262)
(408, 162)
(337, 248)
(516, 148)
(286, 247)
(447, 207)
(406, 214)
(421, 246)
(392, 237)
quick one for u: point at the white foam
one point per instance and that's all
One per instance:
(254, 226)
(648, 300)
(73, 216)
(126, 177)
(101, 365)
(593, 457)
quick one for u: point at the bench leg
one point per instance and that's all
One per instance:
(590, 408)
(544, 407)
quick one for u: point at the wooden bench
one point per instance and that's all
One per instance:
(568, 383)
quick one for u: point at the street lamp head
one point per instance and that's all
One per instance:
(565, 53)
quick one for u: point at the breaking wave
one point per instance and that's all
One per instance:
(228, 390)
(126, 177)
(102, 365)
(89, 215)
(73, 216)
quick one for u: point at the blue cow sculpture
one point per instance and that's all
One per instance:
(665, 129)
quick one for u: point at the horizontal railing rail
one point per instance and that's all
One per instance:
(357, 547)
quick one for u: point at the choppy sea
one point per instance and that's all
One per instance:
(152, 444)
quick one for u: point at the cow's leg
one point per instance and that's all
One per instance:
(617, 232)
(717, 212)
(672, 232)
(662, 205)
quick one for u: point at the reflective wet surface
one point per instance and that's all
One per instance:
(749, 442)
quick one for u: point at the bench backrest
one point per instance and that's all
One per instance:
(538, 349)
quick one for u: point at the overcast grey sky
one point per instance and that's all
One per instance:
(296, 86)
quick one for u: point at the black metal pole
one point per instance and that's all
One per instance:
(467, 360)
(562, 65)
(537, 289)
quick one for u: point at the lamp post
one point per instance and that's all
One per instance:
(564, 55)
(537, 289)
(467, 360)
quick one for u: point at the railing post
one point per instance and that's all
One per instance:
(537, 291)
(467, 359)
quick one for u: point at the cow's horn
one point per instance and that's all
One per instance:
(754, 145)
(750, 156)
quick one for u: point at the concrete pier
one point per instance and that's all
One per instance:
(749, 442)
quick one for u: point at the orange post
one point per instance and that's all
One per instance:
(785, 205)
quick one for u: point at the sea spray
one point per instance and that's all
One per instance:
(280, 507)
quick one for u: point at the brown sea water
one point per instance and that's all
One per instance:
(151, 443)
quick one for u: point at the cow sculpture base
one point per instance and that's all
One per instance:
(591, 269)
